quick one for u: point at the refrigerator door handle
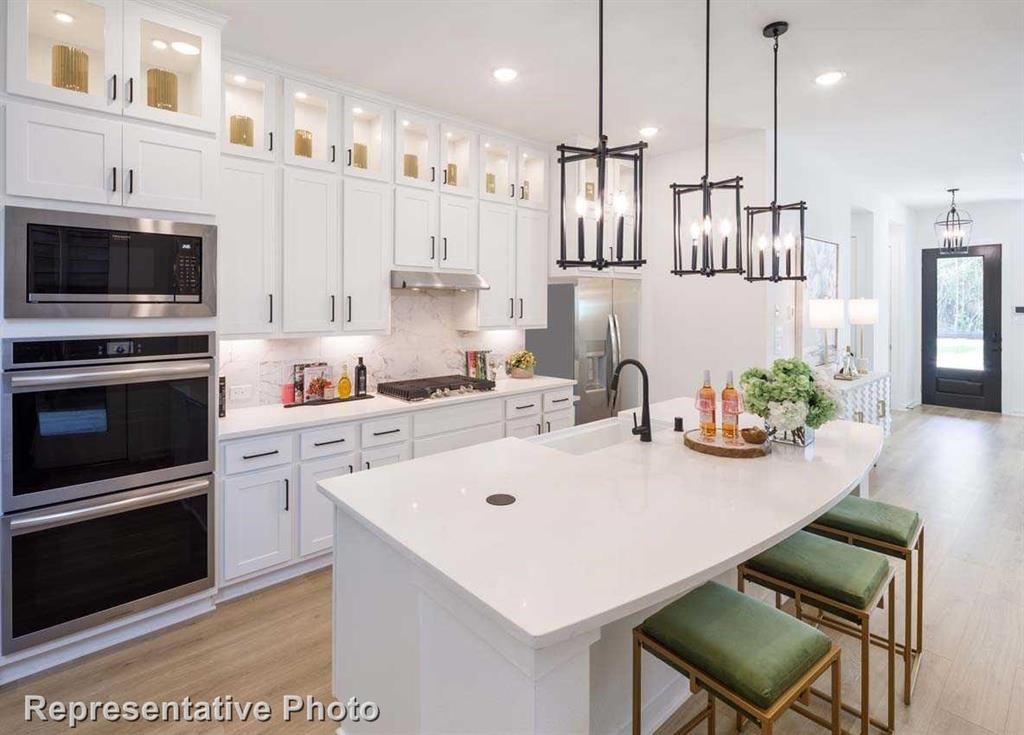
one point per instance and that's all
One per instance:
(613, 336)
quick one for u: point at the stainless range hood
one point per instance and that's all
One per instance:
(438, 281)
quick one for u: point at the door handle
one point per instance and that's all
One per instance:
(444, 176)
(444, 246)
(131, 181)
(328, 442)
(520, 308)
(349, 157)
(115, 179)
(351, 469)
(271, 134)
(512, 191)
(332, 307)
(549, 427)
(334, 153)
(385, 433)
(528, 405)
(522, 192)
(131, 90)
(271, 453)
(539, 431)
(511, 308)
(433, 173)
(367, 464)
(349, 309)
(287, 492)
(433, 242)
(271, 297)
(114, 96)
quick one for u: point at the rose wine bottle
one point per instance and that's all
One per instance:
(730, 411)
(706, 407)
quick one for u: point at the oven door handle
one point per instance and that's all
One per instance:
(51, 518)
(107, 376)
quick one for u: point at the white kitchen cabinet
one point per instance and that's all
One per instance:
(367, 224)
(497, 169)
(416, 150)
(496, 306)
(385, 455)
(63, 155)
(33, 30)
(458, 245)
(415, 227)
(247, 248)
(458, 439)
(249, 119)
(369, 139)
(523, 428)
(257, 521)
(171, 67)
(311, 126)
(532, 176)
(531, 268)
(316, 513)
(459, 155)
(559, 420)
(165, 169)
(311, 248)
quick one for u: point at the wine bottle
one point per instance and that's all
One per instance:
(730, 411)
(706, 407)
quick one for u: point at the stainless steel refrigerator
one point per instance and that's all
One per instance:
(593, 323)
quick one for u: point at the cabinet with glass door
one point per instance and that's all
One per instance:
(459, 152)
(369, 136)
(250, 113)
(532, 178)
(416, 147)
(311, 126)
(497, 170)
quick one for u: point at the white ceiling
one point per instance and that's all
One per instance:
(934, 95)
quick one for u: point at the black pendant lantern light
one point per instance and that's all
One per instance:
(953, 229)
(699, 258)
(781, 248)
(633, 153)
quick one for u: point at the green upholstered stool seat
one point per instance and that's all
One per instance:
(841, 572)
(755, 650)
(879, 521)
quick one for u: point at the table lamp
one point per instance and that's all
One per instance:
(826, 314)
(863, 312)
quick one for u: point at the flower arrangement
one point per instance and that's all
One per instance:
(520, 364)
(789, 396)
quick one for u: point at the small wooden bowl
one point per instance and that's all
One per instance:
(754, 435)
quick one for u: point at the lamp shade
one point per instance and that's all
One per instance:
(863, 311)
(826, 313)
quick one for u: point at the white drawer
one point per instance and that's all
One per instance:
(558, 400)
(453, 418)
(556, 420)
(385, 431)
(255, 454)
(458, 439)
(327, 441)
(523, 428)
(524, 405)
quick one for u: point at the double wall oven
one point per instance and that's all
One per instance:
(107, 486)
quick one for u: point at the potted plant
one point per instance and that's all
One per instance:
(520, 364)
(791, 397)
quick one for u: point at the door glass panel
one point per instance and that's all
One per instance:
(497, 168)
(66, 572)
(532, 177)
(309, 138)
(76, 435)
(959, 303)
(367, 138)
(170, 78)
(66, 45)
(458, 157)
(244, 106)
(415, 154)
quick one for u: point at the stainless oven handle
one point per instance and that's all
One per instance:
(62, 518)
(101, 376)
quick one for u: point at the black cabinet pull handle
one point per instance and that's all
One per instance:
(520, 308)
(349, 157)
(522, 192)
(351, 469)
(444, 176)
(271, 134)
(389, 431)
(549, 426)
(511, 308)
(512, 191)
(131, 90)
(528, 405)
(332, 307)
(261, 454)
(131, 181)
(559, 400)
(433, 173)
(270, 296)
(287, 492)
(349, 308)
(115, 179)
(334, 153)
(444, 244)
(538, 430)
(328, 443)
(433, 241)
(367, 464)
(114, 97)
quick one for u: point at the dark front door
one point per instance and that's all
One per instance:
(960, 328)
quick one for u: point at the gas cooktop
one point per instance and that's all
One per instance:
(440, 387)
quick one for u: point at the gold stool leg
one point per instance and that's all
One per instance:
(908, 648)
(920, 593)
(740, 722)
(892, 654)
(711, 713)
(636, 684)
(865, 676)
(837, 696)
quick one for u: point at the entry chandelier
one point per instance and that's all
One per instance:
(953, 228)
(621, 204)
(701, 256)
(786, 257)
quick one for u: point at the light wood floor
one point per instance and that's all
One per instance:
(964, 471)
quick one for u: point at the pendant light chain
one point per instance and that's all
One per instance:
(600, 69)
(707, 87)
(775, 125)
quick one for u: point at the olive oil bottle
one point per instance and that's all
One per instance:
(344, 384)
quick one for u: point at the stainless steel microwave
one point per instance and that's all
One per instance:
(70, 264)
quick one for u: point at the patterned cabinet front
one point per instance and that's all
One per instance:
(866, 400)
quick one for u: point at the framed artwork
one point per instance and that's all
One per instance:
(821, 264)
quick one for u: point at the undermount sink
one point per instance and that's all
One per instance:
(591, 437)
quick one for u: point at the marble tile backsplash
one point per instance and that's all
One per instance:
(423, 342)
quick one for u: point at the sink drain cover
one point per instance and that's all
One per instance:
(501, 499)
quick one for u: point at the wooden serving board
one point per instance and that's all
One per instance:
(719, 448)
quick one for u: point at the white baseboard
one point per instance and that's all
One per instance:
(230, 591)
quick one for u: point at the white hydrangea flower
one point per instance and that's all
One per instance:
(787, 415)
(828, 386)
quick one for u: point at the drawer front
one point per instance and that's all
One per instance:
(458, 439)
(255, 454)
(328, 441)
(558, 400)
(385, 431)
(454, 418)
(523, 428)
(556, 420)
(525, 405)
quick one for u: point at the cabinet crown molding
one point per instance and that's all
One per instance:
(190, 10)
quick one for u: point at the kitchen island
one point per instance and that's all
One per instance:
(454, 615)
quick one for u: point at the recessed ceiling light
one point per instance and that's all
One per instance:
(405, 123)
(301, 95)
(649, 132)
(357, 110)
(61, 17)
(240, 78)
(159, 45)
(505, 74)
(829, 78)
(487, 145)
(448, 134)
(185, 49)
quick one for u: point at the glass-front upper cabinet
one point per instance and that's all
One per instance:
(416, 150)
(311, 126)
(533, 178)
(66, 51)
(458, 160)
(368, 139)
(172, 68)
(497, 170)
(250, 105)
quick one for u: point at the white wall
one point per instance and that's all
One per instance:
(999, 222)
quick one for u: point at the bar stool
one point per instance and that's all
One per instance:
(754, 658)
(843, 580)
(895, 531)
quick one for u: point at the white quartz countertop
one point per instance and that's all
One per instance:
(593, 538)
(243, 422)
